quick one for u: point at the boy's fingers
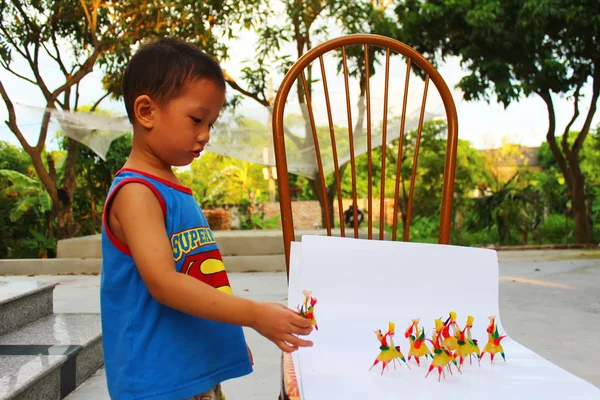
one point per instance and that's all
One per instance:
(301, 331)
(286, 347)
(305, 331)
(298, 342)
(300, 321)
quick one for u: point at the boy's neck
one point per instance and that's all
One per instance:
(143, 160)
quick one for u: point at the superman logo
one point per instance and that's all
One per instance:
(208, 267)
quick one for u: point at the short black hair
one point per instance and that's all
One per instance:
(163, 67)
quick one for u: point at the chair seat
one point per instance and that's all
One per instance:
(289, 383)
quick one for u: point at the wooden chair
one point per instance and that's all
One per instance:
(297, 72)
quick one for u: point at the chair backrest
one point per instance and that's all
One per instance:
(297, 74)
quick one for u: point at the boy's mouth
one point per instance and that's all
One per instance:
(196, 153)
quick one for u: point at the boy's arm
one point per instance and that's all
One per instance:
(140, 219)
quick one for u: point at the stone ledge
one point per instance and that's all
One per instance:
(65, 266)
(231, 243)
(268, 263)
(50, 266)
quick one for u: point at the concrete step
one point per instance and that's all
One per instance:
(244, 251)
(80, 247)
(49, 358)
(50, 266)
(270, 263)
(231, 243)
(23, 302)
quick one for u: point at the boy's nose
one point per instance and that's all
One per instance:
(203, 137)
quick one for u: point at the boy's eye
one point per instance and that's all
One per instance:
(198, 121)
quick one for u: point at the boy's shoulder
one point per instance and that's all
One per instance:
(158, 185)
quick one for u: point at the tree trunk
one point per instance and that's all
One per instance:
(93, 204)
(66, 227)
(329, 197)
(315, 186)
(569, 162)
(580, 215)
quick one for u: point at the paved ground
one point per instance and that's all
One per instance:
(549, 302)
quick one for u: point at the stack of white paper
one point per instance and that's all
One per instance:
(363, 285)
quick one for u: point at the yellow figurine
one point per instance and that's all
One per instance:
(308, 308)
(442, 356)
(493, 345)
(467, 346)
(388, 352)
(451, 341)
(418, 347)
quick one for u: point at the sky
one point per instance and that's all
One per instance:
(484, 125)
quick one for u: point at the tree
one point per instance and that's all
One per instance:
(303, 22)
(103, 33)
(510, 207)
(518, 48)
(551, 180)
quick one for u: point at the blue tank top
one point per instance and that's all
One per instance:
(152, 351)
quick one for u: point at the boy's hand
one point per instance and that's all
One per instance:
(279, 324)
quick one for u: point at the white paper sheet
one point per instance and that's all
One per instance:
(362, 285)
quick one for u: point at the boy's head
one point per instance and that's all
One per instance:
(173, 94)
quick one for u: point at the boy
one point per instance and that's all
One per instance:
(171, 327)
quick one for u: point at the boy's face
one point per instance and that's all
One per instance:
(181, 128)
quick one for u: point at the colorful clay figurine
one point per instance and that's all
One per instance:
(493, 345)
(418, 347)
(388, 352)
(308, 308)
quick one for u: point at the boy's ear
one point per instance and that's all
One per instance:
(144, 110)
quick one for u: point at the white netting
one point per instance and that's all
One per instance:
(95, 130)
(233, 137)
(246, 133)
(256, 144)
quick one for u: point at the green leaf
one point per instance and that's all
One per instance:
(45, 201)
(18, 178)
(19, 191)
(22, 207)
(41, 238)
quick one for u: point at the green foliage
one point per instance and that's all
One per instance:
(300, 189)
(557, 229)
(23, 203)
(104, 35)
(94, 177)
(254, 221)
(112, 35)
(513, 49)
(552, 184)
(13, 158)
(470, 171)
(510, 48)
(39, 244)
(510, 209)
(29, 193)
(218, 180)
(208, 24)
